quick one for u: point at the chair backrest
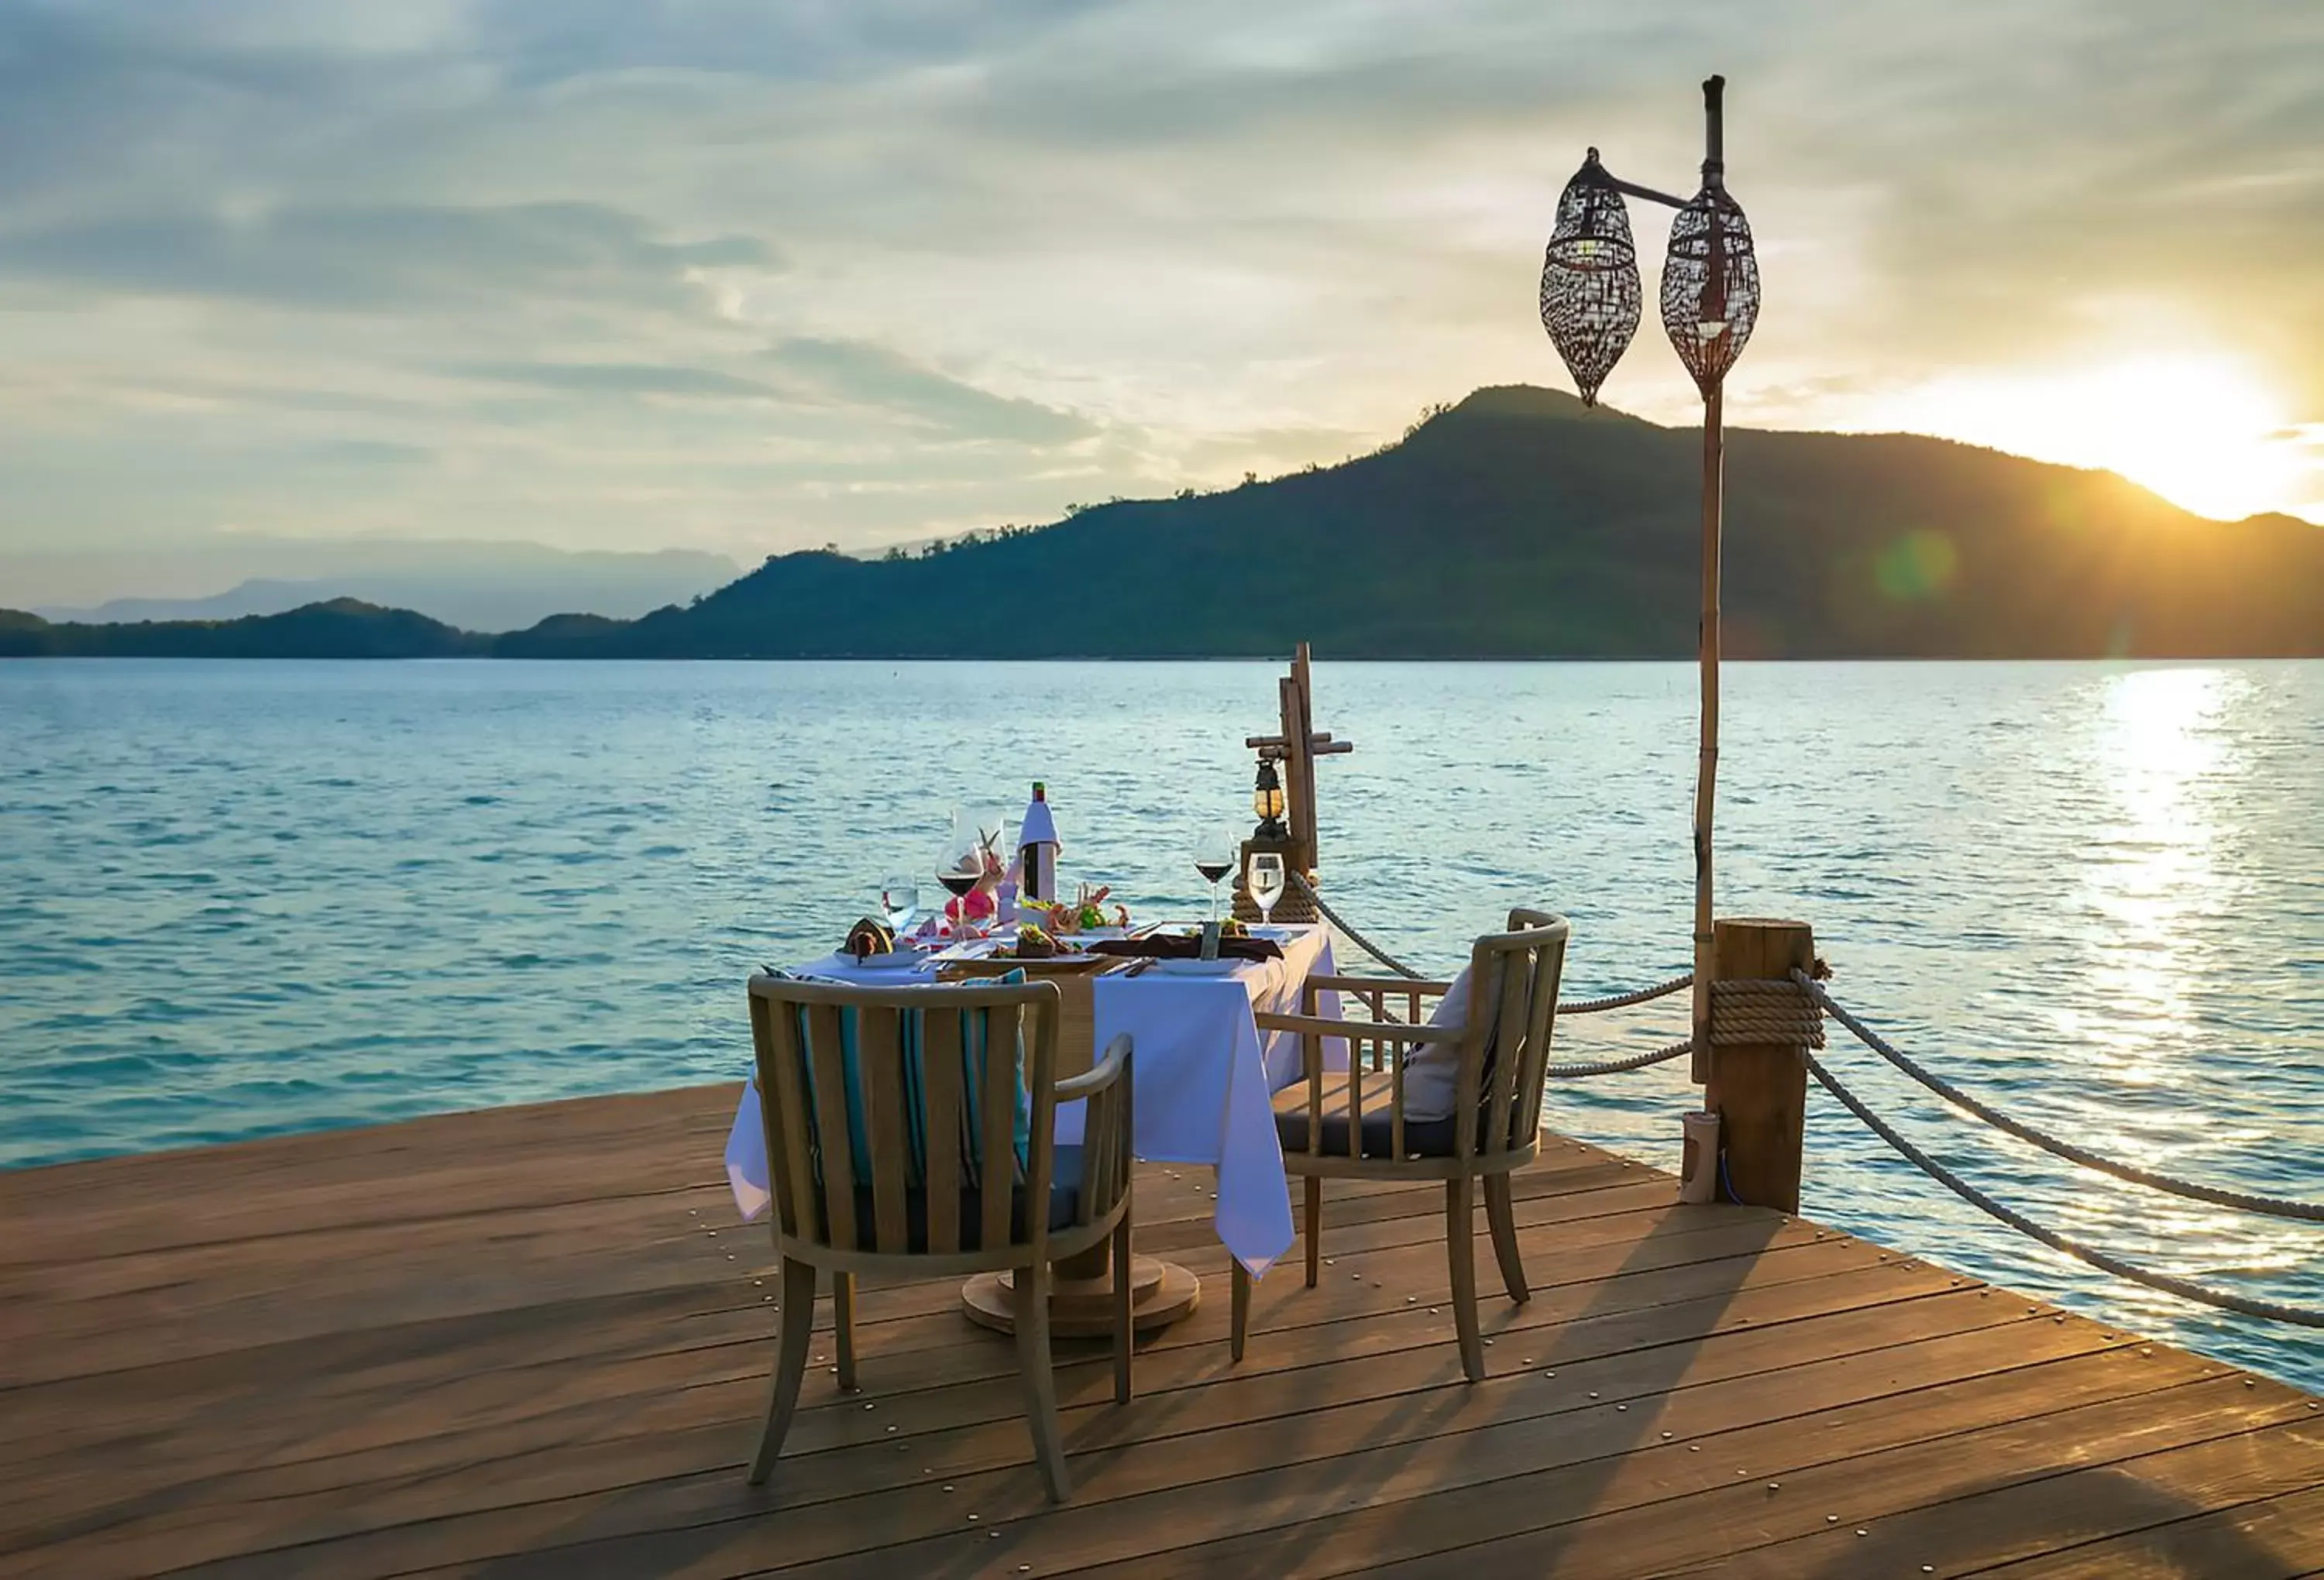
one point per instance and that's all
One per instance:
(1514, 978)
(922, 1097)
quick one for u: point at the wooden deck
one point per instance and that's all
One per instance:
(534, 1342)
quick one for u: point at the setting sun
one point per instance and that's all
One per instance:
(2203, 432)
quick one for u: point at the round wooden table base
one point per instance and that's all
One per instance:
(1160, 1292)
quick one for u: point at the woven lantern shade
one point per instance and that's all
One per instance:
(1710, 287)
(1590, 294)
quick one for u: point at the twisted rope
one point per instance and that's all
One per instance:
(2186, 1290)
(1616, 1066)
(1299, 881)
(1755, 1011)
(1575, 1007)
(2266, 1206)
(1624, 1000)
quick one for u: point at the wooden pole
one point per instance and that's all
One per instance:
(1760, 1090)
(1706, 773)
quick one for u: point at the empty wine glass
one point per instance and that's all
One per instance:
(1214, 857)
(900, 903)
(1266, 882)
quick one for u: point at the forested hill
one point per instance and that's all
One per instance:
(1518, 524)
(340, 628)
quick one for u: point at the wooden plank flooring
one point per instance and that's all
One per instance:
(534, 1342)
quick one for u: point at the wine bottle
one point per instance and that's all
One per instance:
(1038, 850)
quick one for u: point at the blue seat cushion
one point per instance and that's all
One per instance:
(1065, 1208)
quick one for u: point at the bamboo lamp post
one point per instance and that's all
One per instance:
(1589, 304)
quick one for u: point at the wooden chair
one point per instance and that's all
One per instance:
(897, 1146)
(1495, 1128)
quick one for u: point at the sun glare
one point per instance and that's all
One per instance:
(2203, 432)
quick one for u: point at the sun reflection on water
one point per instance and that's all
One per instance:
(2152, 888)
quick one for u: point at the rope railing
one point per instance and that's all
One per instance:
(1624, 1000)
(1565, 1006)
(2242, 1201)
(1616, 1066)
(2185, 1289)
(1299, 881)
(1781, 1013)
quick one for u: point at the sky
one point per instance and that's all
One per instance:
(744, 277)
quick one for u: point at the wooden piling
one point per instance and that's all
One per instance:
(1760, 1090)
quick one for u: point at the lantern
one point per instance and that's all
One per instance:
(1589, 295)
(1710, 286)
(1266, 803)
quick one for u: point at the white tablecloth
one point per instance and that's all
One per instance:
(1205, 1082)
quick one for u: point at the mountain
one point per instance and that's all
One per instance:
(476, 587)
(1521, 523)
(1517, 524)
(341, 628)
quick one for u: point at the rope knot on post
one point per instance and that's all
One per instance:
(1761, 1012)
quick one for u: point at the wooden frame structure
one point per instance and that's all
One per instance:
(1294, 747)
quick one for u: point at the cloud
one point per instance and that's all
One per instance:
(403, 257)
(858, 373)
(369, 453)
(620, 379)
(750, 277)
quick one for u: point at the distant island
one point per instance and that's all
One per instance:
(1517, 524)
(478, 586)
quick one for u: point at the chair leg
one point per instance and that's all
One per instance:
(1500, 1212)
(1033, 1368)
(796, 1331)
(1125, 1337)
(1460, 1245)
(843, 1322)
(1312, 1226)
(1239, 1325)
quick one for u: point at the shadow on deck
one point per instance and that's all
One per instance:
(535, 1342)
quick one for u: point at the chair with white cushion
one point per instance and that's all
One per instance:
(1456, 1097)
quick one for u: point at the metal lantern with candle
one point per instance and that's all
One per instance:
(1272, 836)
(1266, 803)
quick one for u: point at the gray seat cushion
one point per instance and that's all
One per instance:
(1423, 1138)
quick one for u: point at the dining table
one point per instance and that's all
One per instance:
(1206, 1078)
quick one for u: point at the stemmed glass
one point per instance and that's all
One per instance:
(900, 903)
(1214, 857)
(960, 864)
(1266, 882)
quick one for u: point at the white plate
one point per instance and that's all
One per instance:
(1225, 968)
(900, 959)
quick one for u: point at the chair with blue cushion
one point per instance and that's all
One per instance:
(1456, 1098)
(911, 1131)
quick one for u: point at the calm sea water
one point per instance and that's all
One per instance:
(249, 899)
